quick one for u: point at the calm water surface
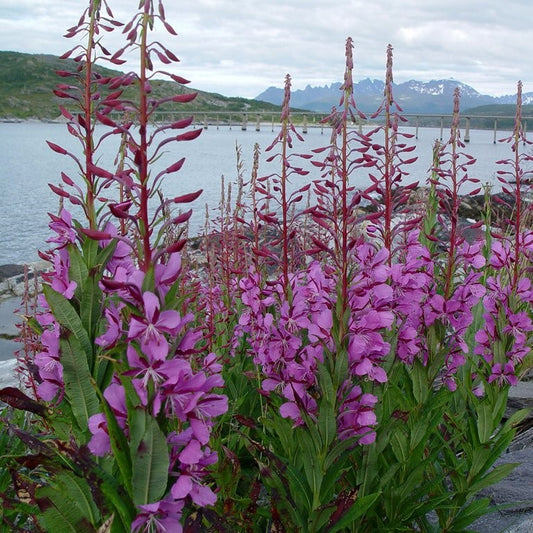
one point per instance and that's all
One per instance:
(27, 165)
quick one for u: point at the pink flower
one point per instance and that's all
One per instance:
(163, 516)
(150, 329)
(100, 444)
(62, 225)
(503, 374)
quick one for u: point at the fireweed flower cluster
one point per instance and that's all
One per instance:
(287, 335)
(503, 344)
(160, 361)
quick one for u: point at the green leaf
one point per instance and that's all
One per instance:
(470, 513)
(90, 252)
(358, 509)
(78, 490)
(90, 306)
(420, 382)
(78, 271)
(299, 489)
(77, 378)
(399, 445)
(67, 316)
(59, 512)
(493, 477)
(327, 425)
(119, 446)
(150, 465)
(105, 254)
(485, 422)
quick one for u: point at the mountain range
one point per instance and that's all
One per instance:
(435, 96)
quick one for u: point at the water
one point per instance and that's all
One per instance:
(27, 165)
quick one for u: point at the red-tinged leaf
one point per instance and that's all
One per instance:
(64, 73)
(187, 198)
(322, 221)
(17, 399)
(269, 219)
(180, 219)
(169, 28)
(374, 216)
(67, 179)
(171, 55)
(99, 171)
(57, 148)
(320, 245)
(475, 191)
(67, 54)
(161, 10)
(63, 94)
(185, 97)
(410, 161)
(180, 79)
(189, 135)
(132, 35)
(432, 238)
(104, 119)
(120, 210)
(117, 61)
(67, 114)
(96, 234)
(59, 191)
(114, 95)
(183, 123)
(75, 200)
(175, 167)
(320, 189)
(263, 252)
(164, 59)
(176, 247)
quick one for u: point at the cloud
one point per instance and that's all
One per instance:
(240, 47)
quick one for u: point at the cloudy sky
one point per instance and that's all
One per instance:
(241, 47)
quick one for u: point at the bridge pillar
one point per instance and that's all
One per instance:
(441, 126)
(495, 130)
(467, 130)
(416, 128)
(272, 123)
(229, 120)
(258, 123)
(244, 122)
(304, 127)
(525, 131)
(205, 121)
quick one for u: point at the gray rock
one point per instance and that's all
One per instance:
(520, 397)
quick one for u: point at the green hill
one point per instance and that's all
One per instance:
(27, 82)
(504, 112)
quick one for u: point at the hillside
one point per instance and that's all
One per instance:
(27, 82)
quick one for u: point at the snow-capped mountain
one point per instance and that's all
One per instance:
(435, 96)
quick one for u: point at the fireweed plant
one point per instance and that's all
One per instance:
(339, 362)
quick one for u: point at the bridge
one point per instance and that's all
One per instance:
(309, 119)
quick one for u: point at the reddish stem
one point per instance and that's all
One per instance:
(142, 155)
